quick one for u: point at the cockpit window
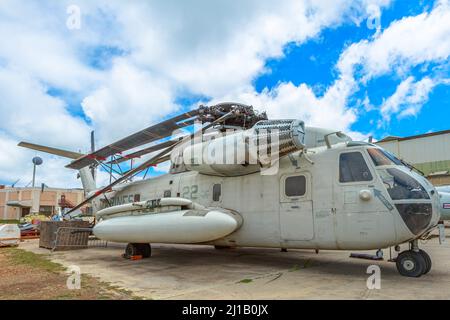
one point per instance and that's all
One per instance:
(353, 168)
(402, 186)
(383, 158)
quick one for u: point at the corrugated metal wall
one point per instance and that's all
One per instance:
(429, 153)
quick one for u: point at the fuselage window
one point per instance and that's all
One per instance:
(167, 194)
(353, 168)
(401, 186)
(295, 186)
(217, 191)
(383, 158)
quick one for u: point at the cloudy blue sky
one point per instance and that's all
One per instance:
(368, 67)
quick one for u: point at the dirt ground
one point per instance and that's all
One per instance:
(28, 276)
(201, 272)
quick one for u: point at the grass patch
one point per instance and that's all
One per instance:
(9, 221)
(308, 263)
(38, 264)
(246, 281)
(117, 289)
(22, 257)
(66, 296)
(294, 268)
(107, 290)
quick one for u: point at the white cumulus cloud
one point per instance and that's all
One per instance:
(408, 98)
(214, 49)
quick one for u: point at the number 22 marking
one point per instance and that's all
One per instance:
(190, 192)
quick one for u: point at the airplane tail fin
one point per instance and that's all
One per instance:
(87, 179)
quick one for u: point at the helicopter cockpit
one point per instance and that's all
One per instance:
(411, 193)
(399, 184)
(414, 197)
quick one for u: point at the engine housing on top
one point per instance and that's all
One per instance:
(239, 152)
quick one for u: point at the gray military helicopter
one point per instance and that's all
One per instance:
(242, 180)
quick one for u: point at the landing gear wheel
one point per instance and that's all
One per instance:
(132, 249)
(138, 249)
(145, 250)
(427, 261)
(411, 264)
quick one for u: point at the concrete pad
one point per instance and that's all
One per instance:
(201, 272)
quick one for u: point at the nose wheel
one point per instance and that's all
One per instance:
(427, 261)
(413, 263)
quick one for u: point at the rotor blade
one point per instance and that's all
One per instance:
(58, 152)
(142, 152)
(129, 174)
(160, 160)
(190, 122)
(147, 163)
(153, 133)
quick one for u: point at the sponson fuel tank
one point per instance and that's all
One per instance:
(166, 220)
(244, 152)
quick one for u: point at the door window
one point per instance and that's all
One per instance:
(353, 168)
(295, 186)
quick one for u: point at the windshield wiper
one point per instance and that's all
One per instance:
(411, 167)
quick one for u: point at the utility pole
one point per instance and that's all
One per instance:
(36, 162)
(92, 151)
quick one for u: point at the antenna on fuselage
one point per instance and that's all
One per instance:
(93, 168)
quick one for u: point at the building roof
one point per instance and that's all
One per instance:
(389, 138)
(19, 204)
(394, 138)
(9, 189)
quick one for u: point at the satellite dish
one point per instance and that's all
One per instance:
(37, 161)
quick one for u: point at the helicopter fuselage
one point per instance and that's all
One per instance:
(349, 197)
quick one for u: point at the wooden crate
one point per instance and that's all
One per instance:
(68, 239)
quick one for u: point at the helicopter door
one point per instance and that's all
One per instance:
(358, 221)
(296, 210)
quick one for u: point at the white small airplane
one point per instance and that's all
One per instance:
(286, 186)
(445, 189)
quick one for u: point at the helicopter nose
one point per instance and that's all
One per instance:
(417, 216)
